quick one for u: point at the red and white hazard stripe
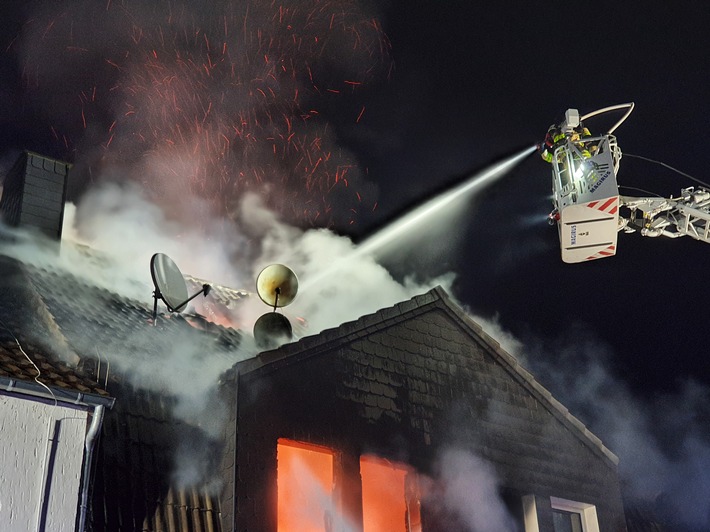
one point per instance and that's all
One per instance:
(609, 206)
(607, 252)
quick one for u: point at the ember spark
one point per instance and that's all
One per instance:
(211, 99)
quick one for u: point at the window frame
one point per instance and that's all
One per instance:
(328, 491)
(587, 512)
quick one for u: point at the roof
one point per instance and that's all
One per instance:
(25, 369)
(24, 356)
(436, 298)
(86, 340)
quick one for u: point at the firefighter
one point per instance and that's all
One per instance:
(553, 139)
(578, 135)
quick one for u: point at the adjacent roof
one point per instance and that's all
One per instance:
(67, 326)
(26, 370)
(28, 363)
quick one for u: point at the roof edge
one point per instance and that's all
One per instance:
(527, 379)
(61, 395)
(345, 332)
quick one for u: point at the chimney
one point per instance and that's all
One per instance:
(34, 192)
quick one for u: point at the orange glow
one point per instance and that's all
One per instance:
(305, 485)
(387, 506)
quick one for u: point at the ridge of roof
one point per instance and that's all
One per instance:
(383, 318)
(526, 378)
(345, 332)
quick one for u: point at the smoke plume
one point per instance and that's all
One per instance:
(662, 442)
(124, 229)
(207, 99)
(469, 493)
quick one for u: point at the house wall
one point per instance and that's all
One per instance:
(41, 455)
(408, 391)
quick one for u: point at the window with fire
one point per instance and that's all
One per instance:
(390, 495)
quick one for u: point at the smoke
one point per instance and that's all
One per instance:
(208, 99)
(662, 442)
(310, 506)
(467, 488)
(118, 221)
(510, 343)
(337, 284)
(109, 239)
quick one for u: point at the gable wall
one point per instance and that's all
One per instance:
(407, 392)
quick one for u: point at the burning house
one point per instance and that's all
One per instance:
(390, 400)
(408, 419)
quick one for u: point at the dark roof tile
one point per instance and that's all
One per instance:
(439, 324)
(133, 488)
(14, 364)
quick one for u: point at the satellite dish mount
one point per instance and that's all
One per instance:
(277, 293)
(170, 285)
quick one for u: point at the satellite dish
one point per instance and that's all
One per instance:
(277, 285)
(170, 285)
(271, 330)
(168, 281)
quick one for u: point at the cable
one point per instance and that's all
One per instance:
(51, 435)
(629, 106)
(648, 192)
(669, 167)
(39, 373)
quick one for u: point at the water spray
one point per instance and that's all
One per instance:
(386, 235)
(381, 239)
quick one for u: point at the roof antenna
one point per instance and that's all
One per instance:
(170, 285)
(276, 286)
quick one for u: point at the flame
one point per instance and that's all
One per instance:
(390, 492)
(390, 500)
(305, 484)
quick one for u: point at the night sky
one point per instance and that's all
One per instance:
(472, 85)
(455, 87)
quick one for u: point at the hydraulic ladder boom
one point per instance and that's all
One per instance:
(687, 215)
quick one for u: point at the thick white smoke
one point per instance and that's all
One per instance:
(662, 443)
(469, 490)
(127, 229)
(337, 284)
(122, 229)
(119, 221)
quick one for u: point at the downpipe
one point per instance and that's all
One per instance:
(89, 445)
